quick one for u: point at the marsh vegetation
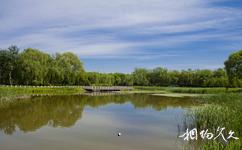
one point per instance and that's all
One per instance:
(220, 110)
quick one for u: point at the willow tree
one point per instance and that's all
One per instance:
(71, 68)
(34, 66)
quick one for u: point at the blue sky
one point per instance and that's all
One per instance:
(119, 35)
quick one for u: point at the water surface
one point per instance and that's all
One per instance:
(93, 122)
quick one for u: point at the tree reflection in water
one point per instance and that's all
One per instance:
(63, 111)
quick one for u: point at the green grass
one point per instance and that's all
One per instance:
(221, 110)
(214, 145)
(192, 90)
(8, 92)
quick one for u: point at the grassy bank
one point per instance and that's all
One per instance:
(221, 110)
(9, 92)
(192, 90)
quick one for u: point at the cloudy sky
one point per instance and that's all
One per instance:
(119, 35)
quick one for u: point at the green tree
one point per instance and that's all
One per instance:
(8, 65)
(34, 67)
(185, 78)
(159, 77)
(128, 80)
(200, 77)
(140, 76)
(233, 68)
(55, 74)
(93, 78)
(71, 68)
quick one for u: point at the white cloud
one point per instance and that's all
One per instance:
(59, 25)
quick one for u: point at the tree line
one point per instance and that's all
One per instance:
(35, 67)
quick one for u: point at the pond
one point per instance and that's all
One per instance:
(93, 122)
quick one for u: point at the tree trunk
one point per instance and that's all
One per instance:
(10, 77)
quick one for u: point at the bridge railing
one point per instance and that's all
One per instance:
(107, 88)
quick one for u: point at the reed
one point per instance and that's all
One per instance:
(221, 110)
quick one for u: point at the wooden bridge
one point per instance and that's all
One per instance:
(106, 88)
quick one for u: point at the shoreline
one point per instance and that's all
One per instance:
(20, 92)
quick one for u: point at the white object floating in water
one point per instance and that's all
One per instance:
(119, 134)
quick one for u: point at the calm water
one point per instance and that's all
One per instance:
(92, 122)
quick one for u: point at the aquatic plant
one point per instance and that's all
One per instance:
(222, 110)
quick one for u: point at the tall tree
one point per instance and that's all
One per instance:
(71, 68)
(140, 76)
(233, 68)
(35, 67)
(159, 77)
(8, 65)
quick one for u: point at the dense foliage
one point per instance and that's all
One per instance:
(233, 67)
(34, 67)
